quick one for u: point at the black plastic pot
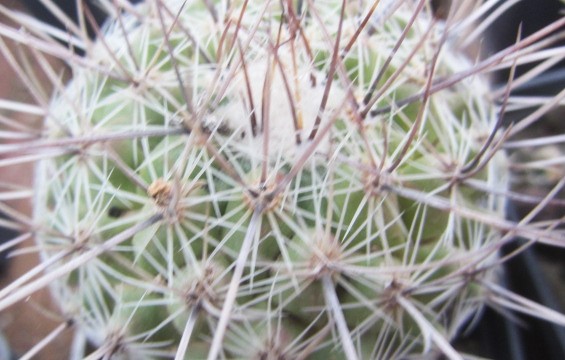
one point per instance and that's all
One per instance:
(69, 7)
(5, 236)
(528, 338)
(499, 337)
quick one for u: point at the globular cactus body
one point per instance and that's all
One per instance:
(271, 180)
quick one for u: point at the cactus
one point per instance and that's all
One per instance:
(272, 179)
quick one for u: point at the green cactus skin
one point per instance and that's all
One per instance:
(262, 220)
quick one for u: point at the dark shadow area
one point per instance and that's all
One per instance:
(525, 18)
(510, 336)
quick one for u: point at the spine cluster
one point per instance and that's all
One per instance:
(272, 180)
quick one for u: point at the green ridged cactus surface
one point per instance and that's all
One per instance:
(271, 180)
